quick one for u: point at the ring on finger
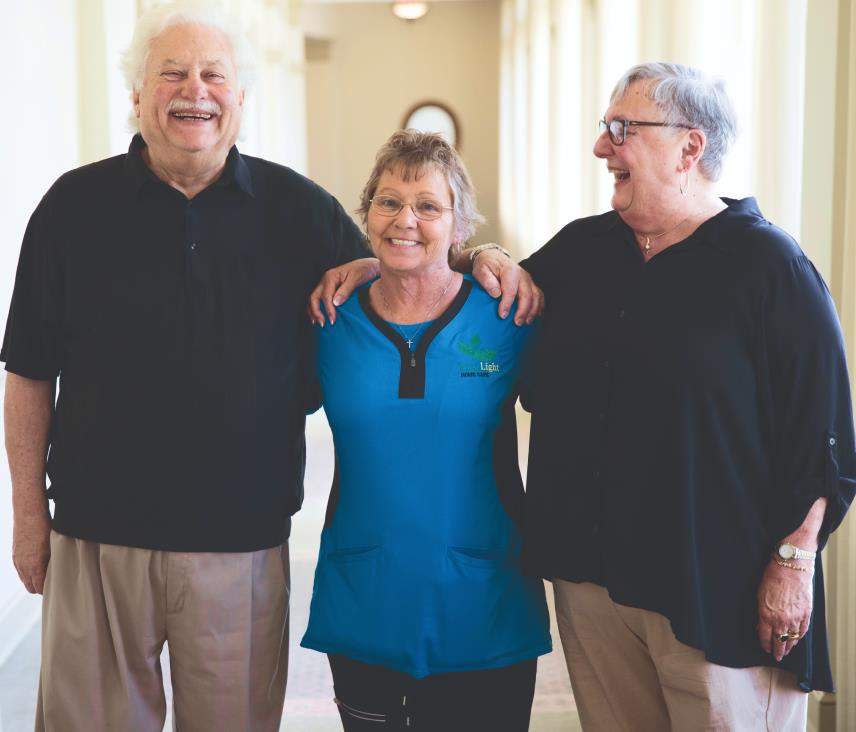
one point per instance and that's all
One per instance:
(785, 637)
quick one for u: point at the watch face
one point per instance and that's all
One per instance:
(786, 551)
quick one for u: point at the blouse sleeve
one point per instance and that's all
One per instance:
(350, 241)
(811, 425)
(547, 262)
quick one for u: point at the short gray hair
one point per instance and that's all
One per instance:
(158, 18)
(410, 153)
(688, 96)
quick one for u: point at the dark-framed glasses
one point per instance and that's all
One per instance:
(617, 128)
(426, 209)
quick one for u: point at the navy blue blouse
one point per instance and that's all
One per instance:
(687, 413)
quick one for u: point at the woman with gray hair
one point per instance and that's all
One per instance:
(692, 431)
(419, 600)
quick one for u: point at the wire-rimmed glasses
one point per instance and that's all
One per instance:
(426, 209)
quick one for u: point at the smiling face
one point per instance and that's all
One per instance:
(189, 101)
(403, 242)
(647, 168)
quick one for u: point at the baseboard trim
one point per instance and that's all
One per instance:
(18, 616)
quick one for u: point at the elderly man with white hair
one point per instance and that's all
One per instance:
(166, 289)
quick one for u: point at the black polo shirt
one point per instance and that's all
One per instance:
(687, 412)
(175, 327)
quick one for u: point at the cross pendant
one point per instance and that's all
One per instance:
(410, 344)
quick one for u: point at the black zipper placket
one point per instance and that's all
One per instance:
(411, 381)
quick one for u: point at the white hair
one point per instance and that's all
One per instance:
(688, 96)
(207, 13)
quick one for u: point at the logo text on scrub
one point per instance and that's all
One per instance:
(485, 357)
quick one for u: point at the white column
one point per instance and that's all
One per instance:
(507, 105)
(828, 234)
(819, 141)
(617, 38)
(520, 124)
(844, 290)
(568, 128)
(118, 17)
(592, 103)
(92, 81)
(274, 122)
(540, 111)
(777, 120)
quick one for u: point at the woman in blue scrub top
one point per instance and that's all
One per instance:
(419, 601)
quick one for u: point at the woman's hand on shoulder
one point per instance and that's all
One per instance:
(336, 286)
(500, 276)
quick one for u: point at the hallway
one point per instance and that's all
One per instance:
(308, 704)
(527, 82)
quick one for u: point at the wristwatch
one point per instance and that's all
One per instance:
(789, 551)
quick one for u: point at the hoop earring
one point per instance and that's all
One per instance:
(684, 188)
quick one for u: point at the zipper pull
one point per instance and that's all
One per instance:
(412, 361)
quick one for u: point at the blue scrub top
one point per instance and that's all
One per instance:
(419, 563)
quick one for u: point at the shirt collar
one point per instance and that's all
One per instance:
(236, 173)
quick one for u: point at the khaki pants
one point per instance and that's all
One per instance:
(107, 612)
(629, 672)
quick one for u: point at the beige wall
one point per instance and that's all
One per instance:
(374, 66)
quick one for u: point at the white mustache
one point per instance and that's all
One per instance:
(203, 105)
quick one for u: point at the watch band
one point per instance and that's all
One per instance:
(803, 553)
(793, 552)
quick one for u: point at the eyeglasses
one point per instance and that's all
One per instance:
(425, 209)
(617, 128)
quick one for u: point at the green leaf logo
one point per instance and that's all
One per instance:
(474, 350)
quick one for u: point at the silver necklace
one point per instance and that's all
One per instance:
(426, 319)
(649, 238)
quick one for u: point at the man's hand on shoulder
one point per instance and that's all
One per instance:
(499, 275)
(337, 285)
(31, 550)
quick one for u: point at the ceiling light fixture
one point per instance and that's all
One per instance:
(408, 10)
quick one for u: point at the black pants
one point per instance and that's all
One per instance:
(378, 698)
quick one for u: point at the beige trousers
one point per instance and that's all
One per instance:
(629, 672)
(107, 612)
